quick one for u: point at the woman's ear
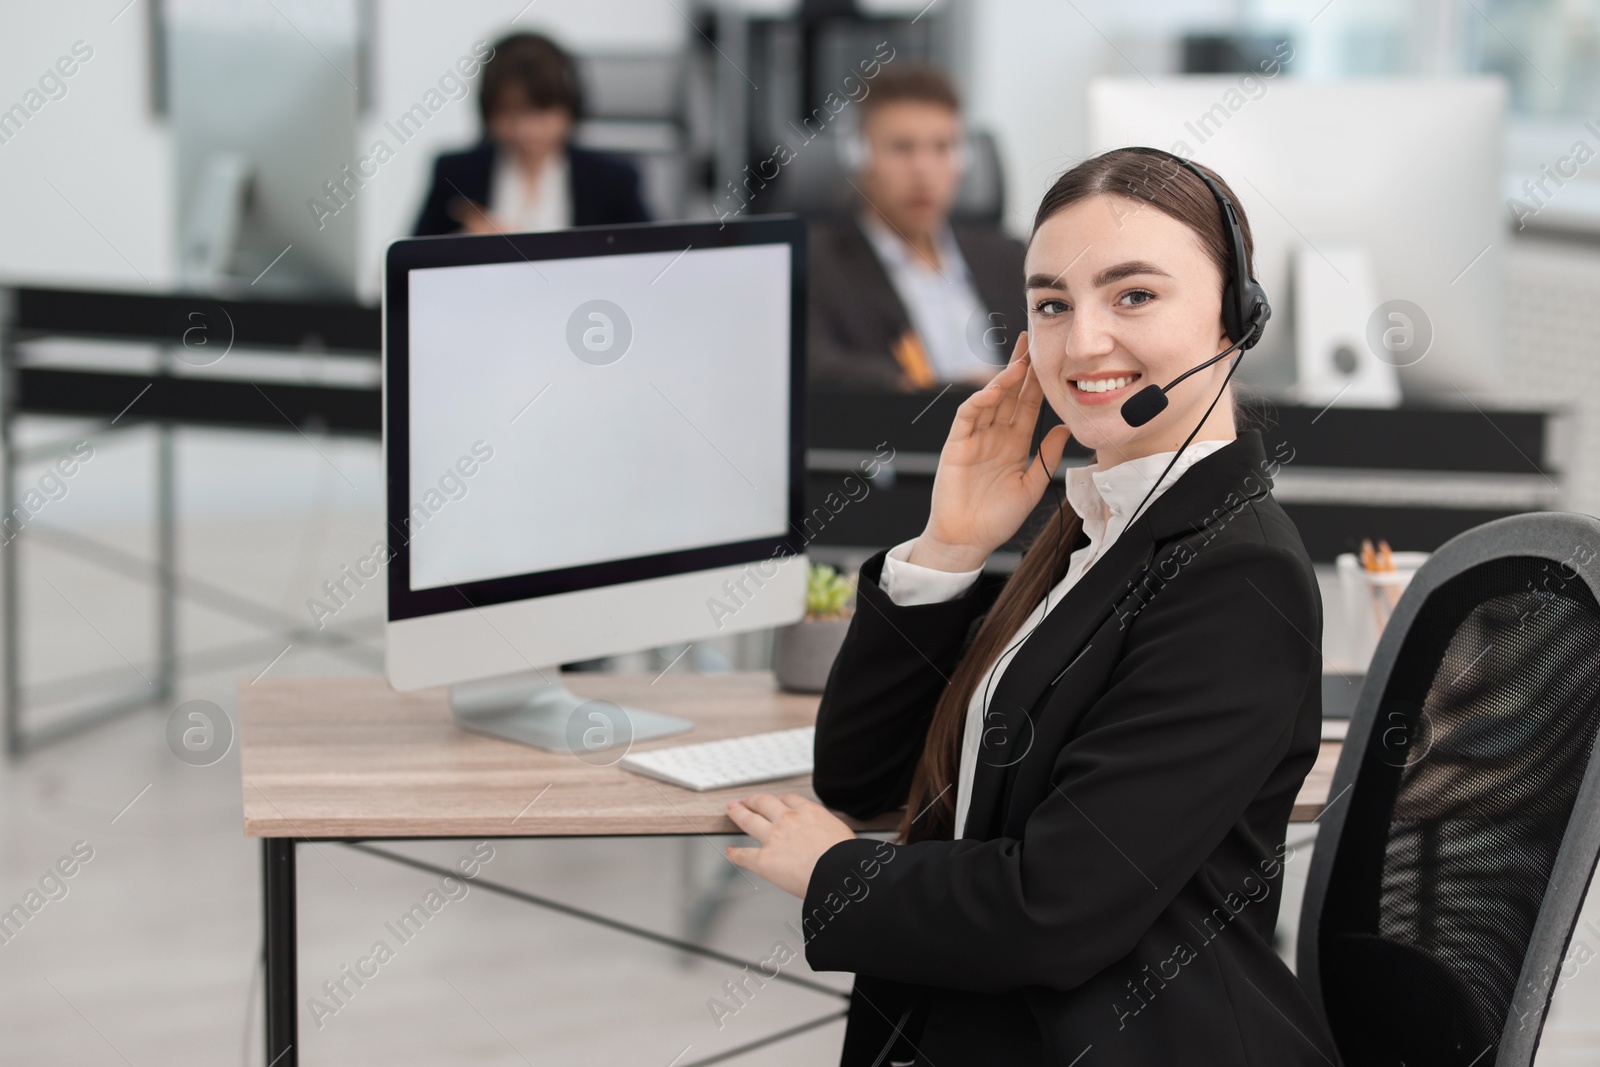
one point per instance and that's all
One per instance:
(1224, 342)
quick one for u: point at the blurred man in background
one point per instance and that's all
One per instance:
(901, 298)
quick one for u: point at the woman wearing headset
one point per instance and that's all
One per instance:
(1097, 757)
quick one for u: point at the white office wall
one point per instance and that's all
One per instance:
(107, 219)
(1031, 61)
(1032, 99)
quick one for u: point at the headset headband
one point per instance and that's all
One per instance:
(1245, 309)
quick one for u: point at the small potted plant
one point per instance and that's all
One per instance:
(803, 653)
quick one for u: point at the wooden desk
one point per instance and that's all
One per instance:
(350, 759)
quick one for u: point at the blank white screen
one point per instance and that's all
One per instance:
(681, 443)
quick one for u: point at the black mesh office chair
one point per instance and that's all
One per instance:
(1464, 817)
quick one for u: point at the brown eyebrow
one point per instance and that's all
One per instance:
(1105, 277)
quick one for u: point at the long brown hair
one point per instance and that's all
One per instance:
(1145, 176)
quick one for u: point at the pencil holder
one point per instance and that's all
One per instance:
(1369, 598)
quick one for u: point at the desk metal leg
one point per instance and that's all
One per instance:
(166, 565)
(705, 904)
(11, 638)
(278, 927)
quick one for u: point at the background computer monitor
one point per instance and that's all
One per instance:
(1409, 170)
(593, 444)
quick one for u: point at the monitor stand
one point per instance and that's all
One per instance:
(536, 708)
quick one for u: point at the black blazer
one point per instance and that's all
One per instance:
(1118, 882)
(856, 315)
(605, 191)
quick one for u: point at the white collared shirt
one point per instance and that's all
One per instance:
(550, 206)
(942, 303)
(1104, 499)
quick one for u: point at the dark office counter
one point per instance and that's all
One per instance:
(1414, 476)
(195, 327)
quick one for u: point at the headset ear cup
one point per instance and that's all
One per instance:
(853, 150)
(1245, 309)
(1257, 310)
(1231, 323)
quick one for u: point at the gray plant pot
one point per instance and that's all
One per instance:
(803, 653)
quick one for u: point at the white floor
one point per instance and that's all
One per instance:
(150, 956)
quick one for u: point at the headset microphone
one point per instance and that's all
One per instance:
(1151, 401)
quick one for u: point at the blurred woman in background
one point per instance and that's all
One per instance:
(526, 174)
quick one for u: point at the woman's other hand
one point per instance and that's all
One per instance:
(794, 833)
(475, 218)
(987, 483)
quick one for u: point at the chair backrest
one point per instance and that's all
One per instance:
(1463, 821)
(632, 86)
(816, 183)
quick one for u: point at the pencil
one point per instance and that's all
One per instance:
(1386, 564)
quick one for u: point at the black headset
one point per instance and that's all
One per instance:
(1245, 312)
(1245, 309)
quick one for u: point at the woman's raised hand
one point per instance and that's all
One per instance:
(987, 483)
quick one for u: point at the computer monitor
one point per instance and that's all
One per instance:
(594, 446)
(1404, 172)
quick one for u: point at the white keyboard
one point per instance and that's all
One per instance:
(735, 761)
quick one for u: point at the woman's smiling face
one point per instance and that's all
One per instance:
(1120, 297)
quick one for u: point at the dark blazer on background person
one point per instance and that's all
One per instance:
(1118, 881)
(604, 190)
(856, 315)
